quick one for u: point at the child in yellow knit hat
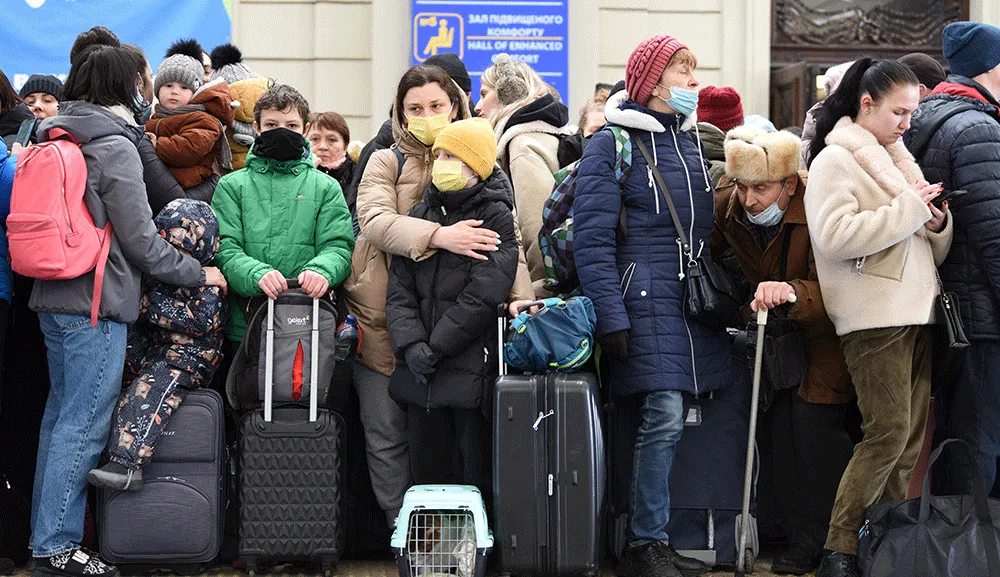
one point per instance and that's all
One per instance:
(441, 312)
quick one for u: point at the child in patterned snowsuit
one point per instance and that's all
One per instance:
(172, 348)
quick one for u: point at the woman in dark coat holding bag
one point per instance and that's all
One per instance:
(441, 313)
(651, 351)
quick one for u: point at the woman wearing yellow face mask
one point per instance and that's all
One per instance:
(436, 309)
(427, 100)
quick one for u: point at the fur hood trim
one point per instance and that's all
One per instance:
(630, 118)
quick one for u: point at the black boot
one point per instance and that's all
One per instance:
(647, 561)
(688, 566)
(837, 564)
(78, 562)
(798, 559)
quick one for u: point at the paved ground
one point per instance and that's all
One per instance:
(381, 569)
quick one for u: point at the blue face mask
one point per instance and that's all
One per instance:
(770, 216)
(682, 100)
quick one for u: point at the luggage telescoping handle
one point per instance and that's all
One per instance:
(741, 556)
(293, 284)
(501, 329)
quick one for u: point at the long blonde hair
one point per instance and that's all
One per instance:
(518, 78)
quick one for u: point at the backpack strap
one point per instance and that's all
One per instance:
(60, 134)
(102, 262)
(622, 167)
(400, 161)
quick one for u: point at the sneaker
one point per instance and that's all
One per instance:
(688, 566)
(78, 562)
(648, 561)
(836, 564)
(116, 476)
(798, 559)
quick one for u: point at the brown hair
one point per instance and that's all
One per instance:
(596, 104)
(281, 97)
(422, 75)
(8, 96)
(331, 121)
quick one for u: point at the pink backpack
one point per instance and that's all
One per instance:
(50, 230)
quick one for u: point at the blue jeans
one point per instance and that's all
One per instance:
(662, 423)
(85, 367)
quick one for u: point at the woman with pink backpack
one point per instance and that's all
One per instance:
(86, 358)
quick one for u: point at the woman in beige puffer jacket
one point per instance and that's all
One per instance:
(386, 195)
(529, 122)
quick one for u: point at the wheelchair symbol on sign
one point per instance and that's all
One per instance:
(434, 33)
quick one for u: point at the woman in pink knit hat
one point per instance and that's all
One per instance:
(651, 352)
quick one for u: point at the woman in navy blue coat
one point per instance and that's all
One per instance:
(651, 352)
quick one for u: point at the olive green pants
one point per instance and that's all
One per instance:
(891, 370)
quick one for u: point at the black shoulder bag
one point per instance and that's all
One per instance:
(709, 294)
(952, 341)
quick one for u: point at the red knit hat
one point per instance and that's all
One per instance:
(720, 107)
(646, 64)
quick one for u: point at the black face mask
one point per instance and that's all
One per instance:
(280, 144)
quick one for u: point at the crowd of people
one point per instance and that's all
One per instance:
(217, 186)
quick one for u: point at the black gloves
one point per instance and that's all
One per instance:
(421, 360)
(615, 345)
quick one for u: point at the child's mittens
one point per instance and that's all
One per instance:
(421, 360)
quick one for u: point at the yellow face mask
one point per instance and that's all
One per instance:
(447, 176)
(427, 128)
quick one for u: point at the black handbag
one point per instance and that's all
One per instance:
(951, 536)
(710, 296)
(952, 342)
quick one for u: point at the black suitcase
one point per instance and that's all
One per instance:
(289, 477)
(176, 520)
(548, 472)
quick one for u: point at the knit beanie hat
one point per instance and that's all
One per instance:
(646, 64)
(720, 107)
(455, 68)
(971, 48)
(42, 83)
(473, 142)
(754, 155)
(928, 70)
(227, 60)
(182, 69)
(190, 225)
(510, 86)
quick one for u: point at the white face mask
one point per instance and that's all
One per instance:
(772, 215)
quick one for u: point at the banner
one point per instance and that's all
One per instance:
(38, 34)
(534, 32)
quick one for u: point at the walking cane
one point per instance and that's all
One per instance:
(741, 557)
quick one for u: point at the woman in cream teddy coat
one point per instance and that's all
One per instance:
(877, 241)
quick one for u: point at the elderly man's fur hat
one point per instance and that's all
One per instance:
(755, 155)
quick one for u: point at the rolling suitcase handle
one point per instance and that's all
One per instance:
(501, 329)
(293, 284)
(741, 556)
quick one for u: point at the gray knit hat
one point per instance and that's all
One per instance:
(182, 69)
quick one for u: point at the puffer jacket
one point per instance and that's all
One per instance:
(964, 154)
(279, 215)
(635, 285)
(449, 301)
(528, 151)
(115, 192)
(8, 164)
(384, 203)
(189, 143)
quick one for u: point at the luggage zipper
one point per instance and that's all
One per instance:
(858, 263)
(864, 530)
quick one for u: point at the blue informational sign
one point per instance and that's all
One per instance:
(38, 34)
(533, 32)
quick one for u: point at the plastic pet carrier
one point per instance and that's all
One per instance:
(442, 530)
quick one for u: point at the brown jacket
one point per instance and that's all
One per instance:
(384, 204)
(189, 143)
(827, 380)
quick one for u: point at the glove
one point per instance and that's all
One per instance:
(420, 359)
(615, 345)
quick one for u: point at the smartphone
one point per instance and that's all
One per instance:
(949, 196)
(24, 133)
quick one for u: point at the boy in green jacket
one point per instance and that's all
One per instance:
(279, 217)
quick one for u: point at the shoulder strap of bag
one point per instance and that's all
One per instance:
(400, 161)
(785, 240)
(685, 245)
(102, 264)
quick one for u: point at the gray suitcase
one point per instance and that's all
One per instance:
(548, 472)
(176, 520)
(289, 472)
